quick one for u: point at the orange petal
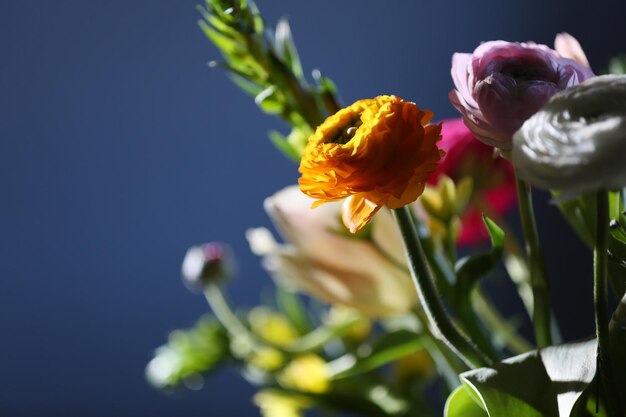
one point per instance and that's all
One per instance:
(356, 211)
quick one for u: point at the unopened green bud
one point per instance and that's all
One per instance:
(210, 263)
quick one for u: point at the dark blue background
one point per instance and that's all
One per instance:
(119, 148)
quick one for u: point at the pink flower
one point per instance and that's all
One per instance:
(502, 84)
(494, 181)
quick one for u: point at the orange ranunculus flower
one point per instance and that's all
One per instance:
(376, 152)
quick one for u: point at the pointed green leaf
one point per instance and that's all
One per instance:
(245, 84)
(225, 44)
(286, 47)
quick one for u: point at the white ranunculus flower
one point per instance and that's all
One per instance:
(577, 141)
(365, 271)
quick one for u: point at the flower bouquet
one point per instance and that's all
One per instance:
(376, 312)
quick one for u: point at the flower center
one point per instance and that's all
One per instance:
(347, 132)
(526, 70)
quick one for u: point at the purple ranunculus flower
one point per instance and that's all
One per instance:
(502, 84)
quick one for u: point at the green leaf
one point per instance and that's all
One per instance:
(470, 269)
(461, 404)
(227, 45)
(284, 146)
(389, 348)
(245, 84)
(268, 100)
(286, 47)
(542, 383)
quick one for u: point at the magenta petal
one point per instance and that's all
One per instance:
(459, 73)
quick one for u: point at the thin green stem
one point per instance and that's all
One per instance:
(600, 267)
(441, 323)
(218, 303)
(538, 274)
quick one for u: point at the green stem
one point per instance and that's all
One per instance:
(215, 297)
(448, 364)
(442, 325)
(600, 267)
(537, 266)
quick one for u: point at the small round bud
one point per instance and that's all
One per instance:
(209, 263)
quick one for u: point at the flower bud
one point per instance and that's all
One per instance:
(209, 263)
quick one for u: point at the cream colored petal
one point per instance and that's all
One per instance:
(261, 241)
(375, 293)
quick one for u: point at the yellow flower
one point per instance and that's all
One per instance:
(272, 327)
(267, 359)
(274, 403)
(306, 373)
(377, 152)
